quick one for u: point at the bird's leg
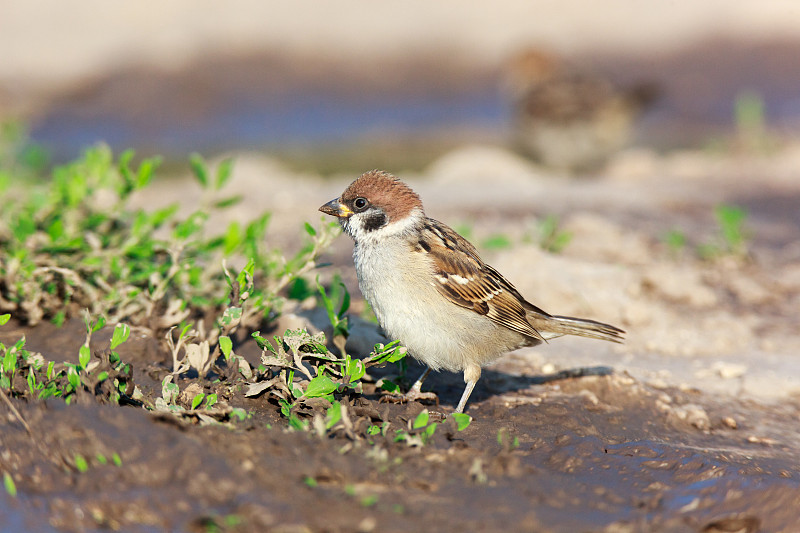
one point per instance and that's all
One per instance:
(471, 376)
(416, 388)
(415, 392)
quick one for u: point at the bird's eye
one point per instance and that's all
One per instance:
(360, 203)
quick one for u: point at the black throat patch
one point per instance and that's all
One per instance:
(374, 221)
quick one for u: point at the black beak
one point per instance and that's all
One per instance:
(336, 209)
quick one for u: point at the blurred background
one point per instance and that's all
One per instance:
(348, 85)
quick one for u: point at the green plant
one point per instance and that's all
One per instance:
(10, 486)
(676, 242)
(550, 237)
(497, 241)
(104, 376)
(506, 440)
(76, 240)
(732, 236)
(298, 369)
(338, 318)
(420, 431)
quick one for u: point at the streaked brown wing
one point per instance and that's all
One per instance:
(468, 282)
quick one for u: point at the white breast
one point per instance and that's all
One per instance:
(399, 285)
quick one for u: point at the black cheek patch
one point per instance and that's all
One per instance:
(374, 221)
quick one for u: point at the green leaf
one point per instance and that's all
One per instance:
(73, 377)
(226, 346)
(355, 369)
(369, 500)
(197, 400)
(345, 301)
(10, 361)
(325, 300)
(428, 433)
(421, 420)
(463, 420)
(334, 414)
(84, 355)
(184, 331)
(227, 202)
(497, 242)
(117, 460)
(121, 333)
(4, 318)
(297, 424)
(146, 170)
(231, 316)
(675, 239)
(80, 463)
(223, 172)
(100, 324)
(320, 386)
(310, 230)
(199, 169)
(11, 487)
(124, 166)
(731, 220)
(390, 386)
(211, 399)
(169, 390)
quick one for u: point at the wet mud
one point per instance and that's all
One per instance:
(575, 451)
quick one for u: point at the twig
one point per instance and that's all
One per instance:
(15, 412)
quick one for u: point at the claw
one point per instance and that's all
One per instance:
(410, 396)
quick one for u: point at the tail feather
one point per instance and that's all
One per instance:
(556, 326)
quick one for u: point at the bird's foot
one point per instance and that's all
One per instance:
(413, 395)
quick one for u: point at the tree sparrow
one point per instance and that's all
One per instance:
(567, 118)
(429, 288)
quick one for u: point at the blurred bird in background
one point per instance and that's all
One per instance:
(568, 119)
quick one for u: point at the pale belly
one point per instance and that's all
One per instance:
(435, 331)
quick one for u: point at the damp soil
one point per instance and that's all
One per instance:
(591, 450)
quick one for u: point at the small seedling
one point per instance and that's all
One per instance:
(11, 487)
(497, 241)
(506, 440)
(338, 318)
(81, 464)
(551, 238)
(419, 431)
(675, 241)
(731, 238)
(369, 500)
(463, 420)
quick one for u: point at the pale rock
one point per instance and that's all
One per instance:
(633, 164)
(595, 237)
(727, 370)
(748, 290)
(692, 414)
(678, 285)
(483, 164)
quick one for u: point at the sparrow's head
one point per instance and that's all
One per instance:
(376, 205)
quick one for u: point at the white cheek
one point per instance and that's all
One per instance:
(354, 226)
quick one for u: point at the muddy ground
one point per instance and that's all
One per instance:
(601, 452)
(690, 426)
